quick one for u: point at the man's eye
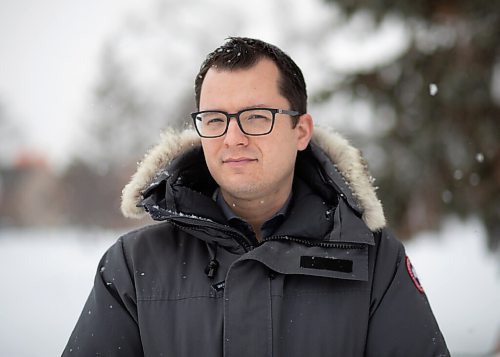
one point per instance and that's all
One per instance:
(213, 121)
(257, 117)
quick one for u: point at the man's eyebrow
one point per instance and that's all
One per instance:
(257, 106)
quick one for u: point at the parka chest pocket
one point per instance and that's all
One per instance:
(309, 271)
(349, 262)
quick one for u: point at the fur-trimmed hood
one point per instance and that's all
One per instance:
(349, 172)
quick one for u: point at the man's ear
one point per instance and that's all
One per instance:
(304, 129)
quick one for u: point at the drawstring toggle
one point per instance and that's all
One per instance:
(211, 268)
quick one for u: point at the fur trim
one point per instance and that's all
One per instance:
(354, 169)
(348, 160)
(172, 144)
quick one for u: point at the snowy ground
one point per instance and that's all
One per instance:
(47, 275)
(462, 280)
(46, 278)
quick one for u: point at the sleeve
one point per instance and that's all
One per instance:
(401, 320)
(108, 324)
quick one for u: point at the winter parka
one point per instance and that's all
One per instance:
(330, 281)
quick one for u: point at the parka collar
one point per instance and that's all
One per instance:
(342, 166)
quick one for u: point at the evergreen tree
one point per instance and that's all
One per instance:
(442, 155)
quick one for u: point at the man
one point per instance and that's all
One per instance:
(271, 240)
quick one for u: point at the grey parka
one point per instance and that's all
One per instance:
(331, 281)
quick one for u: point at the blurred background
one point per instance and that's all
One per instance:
(86, 88)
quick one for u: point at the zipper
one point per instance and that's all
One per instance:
(192, 223)
(239, 238)
(314, 243)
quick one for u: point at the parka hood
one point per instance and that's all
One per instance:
(342, 164)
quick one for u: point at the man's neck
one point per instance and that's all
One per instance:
(258, 210)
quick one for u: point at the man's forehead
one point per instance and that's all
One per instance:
(257, 85)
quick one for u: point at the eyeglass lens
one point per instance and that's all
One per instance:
(252, 121)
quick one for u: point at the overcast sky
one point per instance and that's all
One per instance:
(48, 60)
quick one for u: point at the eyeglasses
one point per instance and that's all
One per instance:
(254, 121)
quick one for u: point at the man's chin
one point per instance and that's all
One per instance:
(240, 191)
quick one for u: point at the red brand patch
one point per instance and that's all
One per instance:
(413, 275)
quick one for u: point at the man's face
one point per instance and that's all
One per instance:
(252, 167)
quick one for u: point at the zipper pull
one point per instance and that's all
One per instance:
(211, 268)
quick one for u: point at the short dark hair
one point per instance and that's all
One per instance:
(242, 53)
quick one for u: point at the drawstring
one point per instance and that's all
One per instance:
(211, 268)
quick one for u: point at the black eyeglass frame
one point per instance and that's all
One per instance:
(236, 115)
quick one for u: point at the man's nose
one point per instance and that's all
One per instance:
(234, 136)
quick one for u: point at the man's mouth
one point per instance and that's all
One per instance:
(238, 160)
